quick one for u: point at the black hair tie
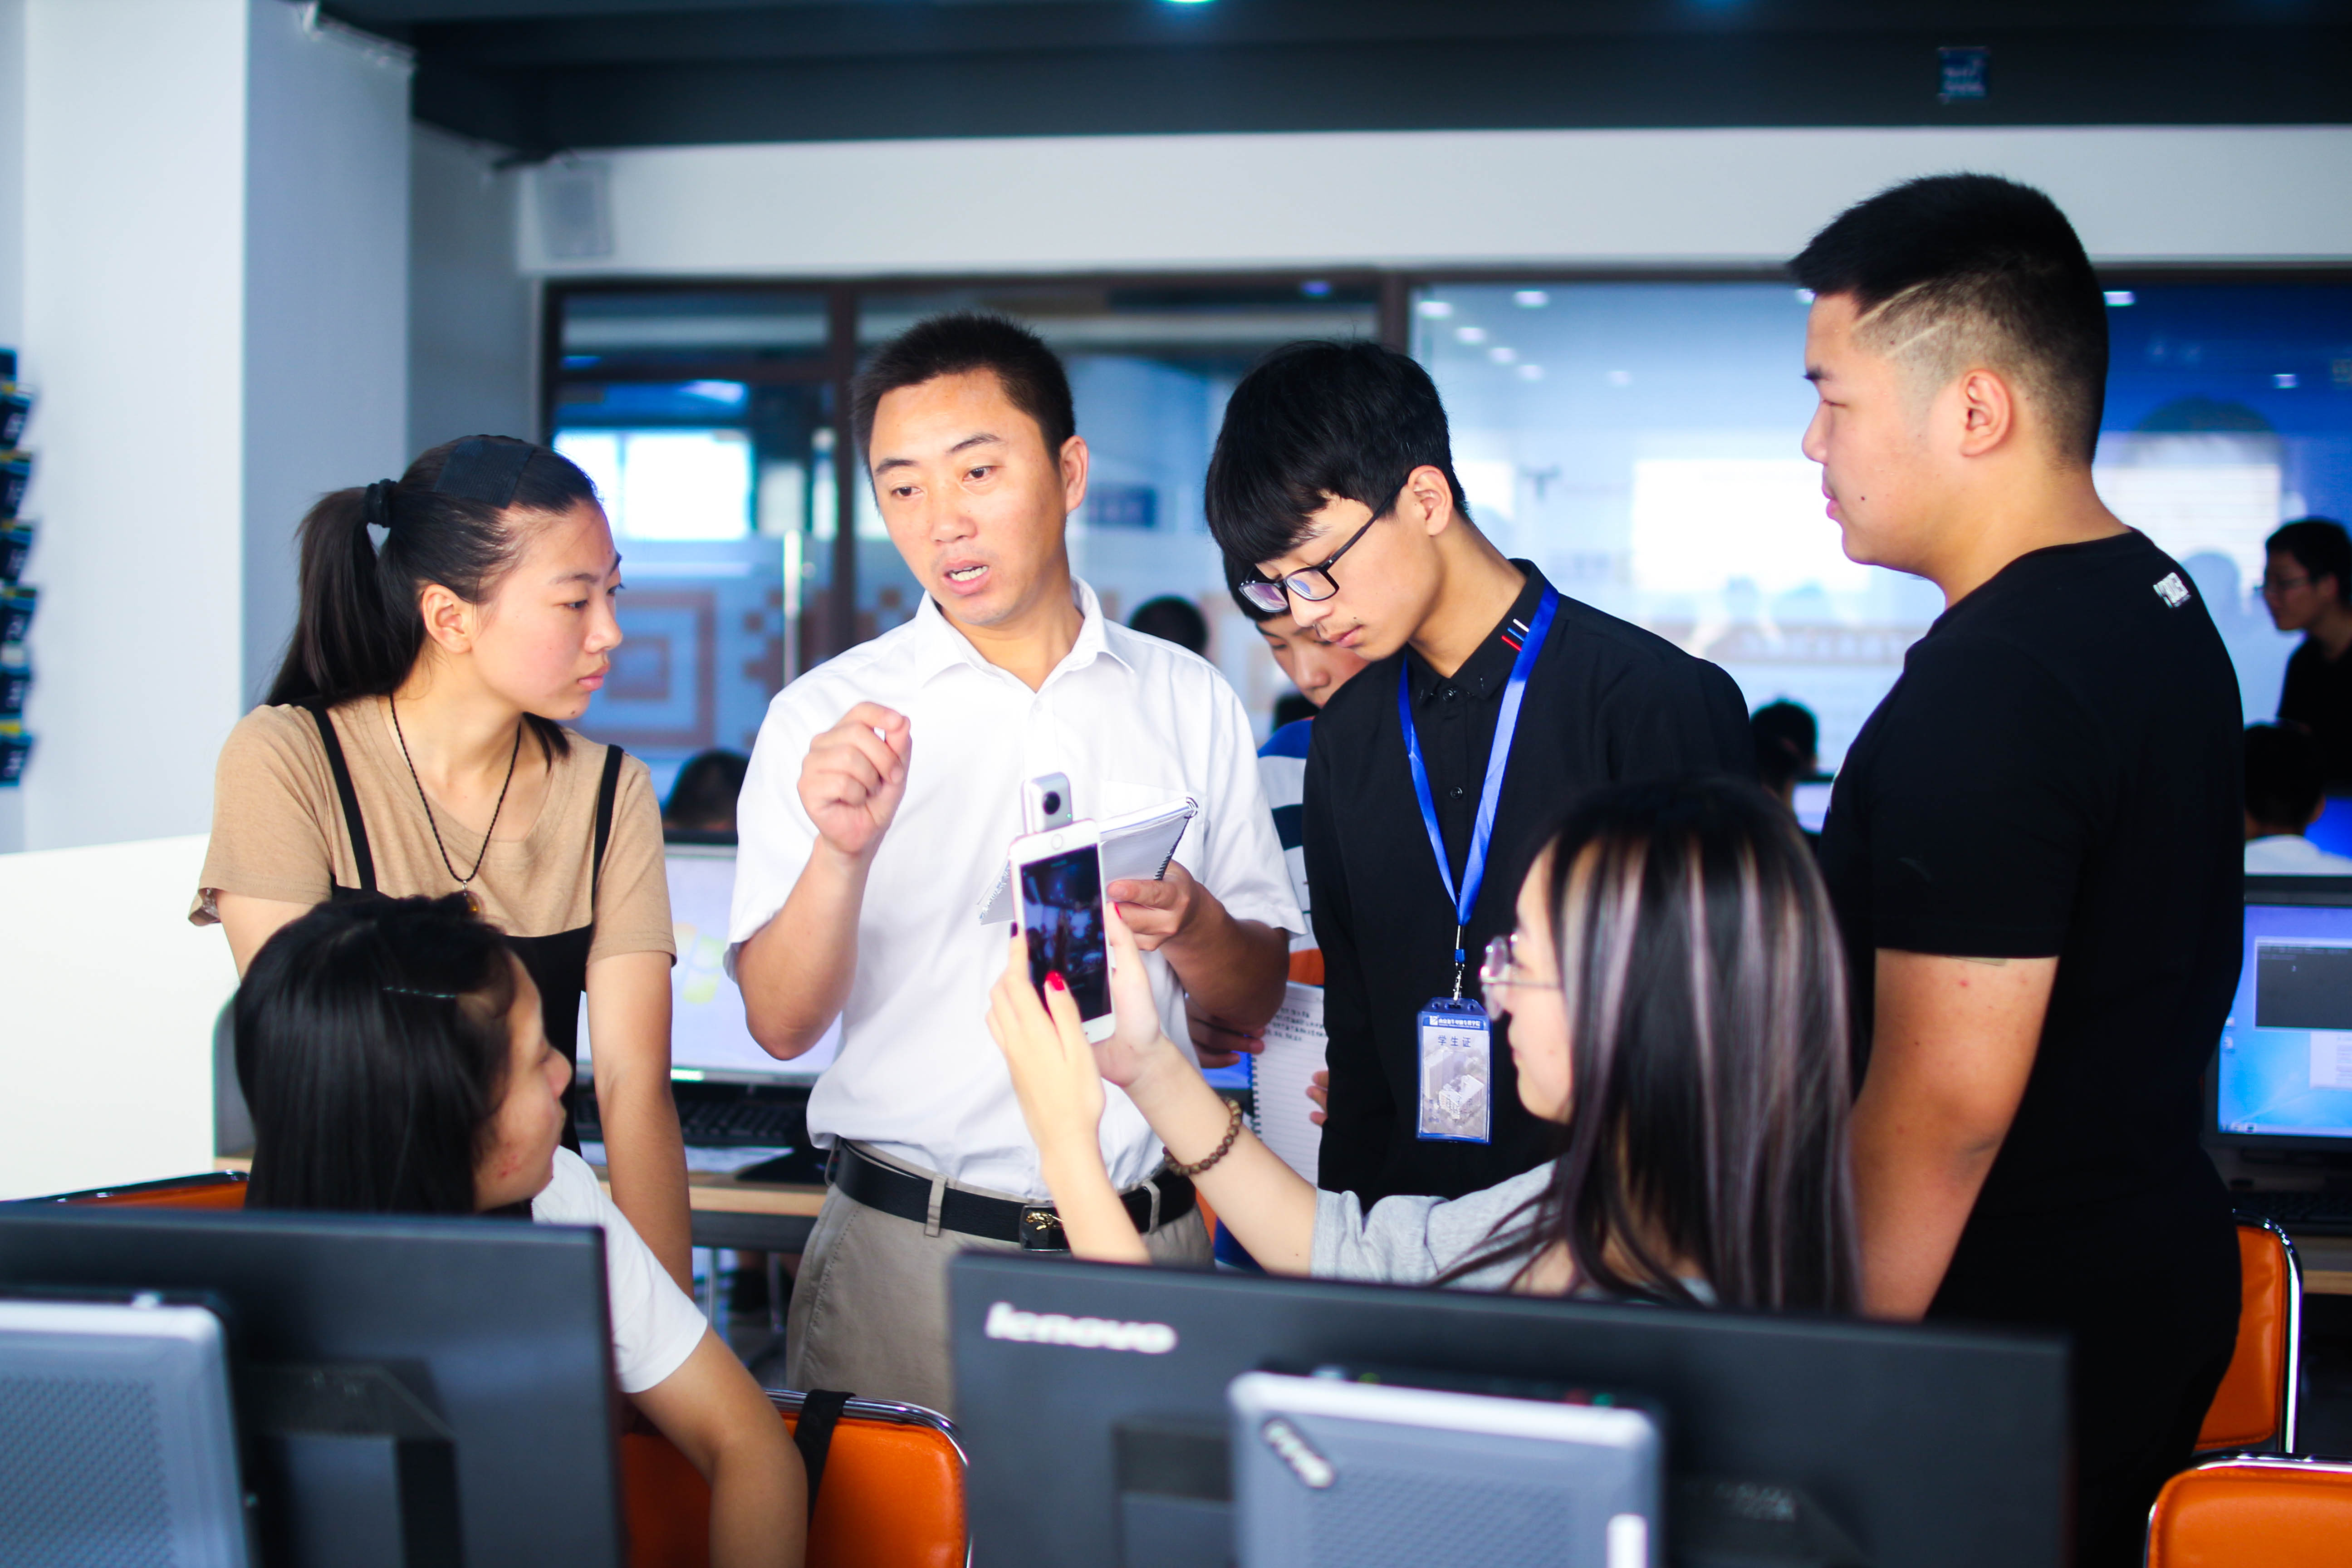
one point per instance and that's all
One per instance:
(375, 512)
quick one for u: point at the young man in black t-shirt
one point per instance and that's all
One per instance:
(2033, 845)
(2308, 588)
(1333, 478)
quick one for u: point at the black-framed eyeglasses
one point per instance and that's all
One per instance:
(1499, 969)
(2282, 584)
(1313, 583)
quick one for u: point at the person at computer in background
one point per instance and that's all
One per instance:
(394, 1054)
(1787, 742)
(448, 626)
(1333, 475)
(2308, 588)
(2035, 844)
(1696, 1096)
(703, 797)
(884, 790)
(1171, 619)
(2283, 798)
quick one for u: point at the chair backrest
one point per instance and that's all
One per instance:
(2255, 1407)
(2253, 1513)
(213, 1190)
(892, 1495)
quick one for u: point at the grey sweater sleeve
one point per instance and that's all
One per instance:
(1413, 1240)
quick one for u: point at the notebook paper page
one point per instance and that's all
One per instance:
(1279, 1077)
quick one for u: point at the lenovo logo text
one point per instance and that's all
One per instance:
(1007, 1322)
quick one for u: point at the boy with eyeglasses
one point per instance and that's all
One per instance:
(1491, 701)
(2308, 588)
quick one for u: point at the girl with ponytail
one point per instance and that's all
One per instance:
(450, 623)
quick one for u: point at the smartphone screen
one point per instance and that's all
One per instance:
(1062, 913)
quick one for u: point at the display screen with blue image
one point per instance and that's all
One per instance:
(2285, 1059)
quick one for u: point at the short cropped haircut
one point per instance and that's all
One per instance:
(1315, 422)
(2320, 546)
(2283, 779)
(1957, 270)
(955, 345)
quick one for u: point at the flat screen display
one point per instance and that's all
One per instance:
(2285, 1059)
(709, 1037)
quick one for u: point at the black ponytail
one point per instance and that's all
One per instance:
(358, 631)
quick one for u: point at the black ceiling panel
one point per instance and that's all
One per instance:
(543, 75)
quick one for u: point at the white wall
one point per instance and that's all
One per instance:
(1437, 198)
(12, 270)
(112, 994)
(215, 265)
(133, 322)
(326, 295)
(472, 370)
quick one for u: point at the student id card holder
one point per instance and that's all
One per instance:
(1457, 1072)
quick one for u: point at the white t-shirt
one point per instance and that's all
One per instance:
(1134, 721)
(656, 1325)
(2292, 854)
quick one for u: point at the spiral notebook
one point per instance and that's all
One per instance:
(1279, 1077)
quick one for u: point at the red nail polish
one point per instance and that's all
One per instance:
(1053, 979)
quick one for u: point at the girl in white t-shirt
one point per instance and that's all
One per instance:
(392, 1053)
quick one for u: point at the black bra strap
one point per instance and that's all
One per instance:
(354, 822)
(608, 789)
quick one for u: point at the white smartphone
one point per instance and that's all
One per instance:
(1059, 887)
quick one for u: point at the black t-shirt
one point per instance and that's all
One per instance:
(1605, 701)
(2057, 773)
(2317, 696)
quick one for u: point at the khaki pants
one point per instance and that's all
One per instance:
(870, 1313)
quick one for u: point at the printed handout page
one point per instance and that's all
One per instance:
(1279, 1079)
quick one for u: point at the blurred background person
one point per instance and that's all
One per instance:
(1171, 619)
(1787, 746)
(2308, 588)
(2283, 798)
(702, 800)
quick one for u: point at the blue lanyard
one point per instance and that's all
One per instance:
(1506, 724)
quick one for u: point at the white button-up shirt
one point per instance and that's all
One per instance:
(1133, 722)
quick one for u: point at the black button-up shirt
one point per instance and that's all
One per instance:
(1606, 701)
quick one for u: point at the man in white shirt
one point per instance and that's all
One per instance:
(882, 795)
(2283, 798)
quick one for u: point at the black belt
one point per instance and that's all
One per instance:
(1036, 1227)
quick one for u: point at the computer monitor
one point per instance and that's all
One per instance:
(2282, 1079)
(709, 1039)
(1092, 1400)
(472, 1352)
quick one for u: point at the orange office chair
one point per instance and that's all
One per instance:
(891, 1497)
(2253, 1512)
(213, 1190)
(2255, 1405)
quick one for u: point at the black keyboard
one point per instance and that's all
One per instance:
(2317, 1213)
(722, 1116)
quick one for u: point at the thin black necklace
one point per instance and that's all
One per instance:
(465, 880)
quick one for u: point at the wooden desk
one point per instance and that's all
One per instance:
(2327, 1264)
(751, 1216)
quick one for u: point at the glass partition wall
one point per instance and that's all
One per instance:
(1636, 437)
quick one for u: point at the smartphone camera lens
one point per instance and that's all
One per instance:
(1053, 802)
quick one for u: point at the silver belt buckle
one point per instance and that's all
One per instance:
(1041, 1229)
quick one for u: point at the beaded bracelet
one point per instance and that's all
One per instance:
(1232, 1130)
